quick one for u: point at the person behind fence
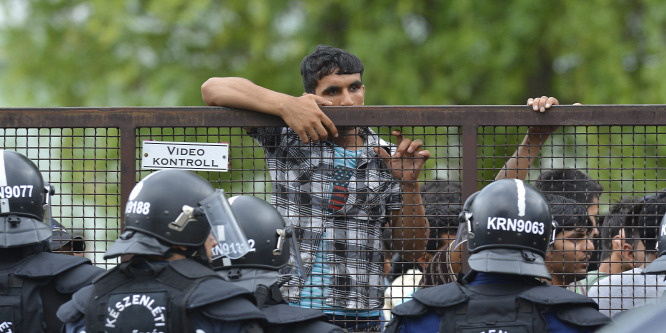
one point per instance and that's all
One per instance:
(568, 258)
(166, 285)
(443, 221)
(615, 248)
(507, 227)
(336, 186)
(629, 289)
(259, 271)
(573, 184)
(33, 281)
(64, 242)
(648, 317)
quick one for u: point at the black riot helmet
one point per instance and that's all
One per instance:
(266, 233)
(509, 228)
(154, 206)
(24, 197)
(658, 266)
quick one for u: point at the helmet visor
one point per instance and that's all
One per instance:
(231, 240)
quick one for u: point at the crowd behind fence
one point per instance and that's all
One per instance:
(93, 156)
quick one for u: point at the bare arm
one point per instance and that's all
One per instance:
(518, 165)
(302, 114)
(409, 226)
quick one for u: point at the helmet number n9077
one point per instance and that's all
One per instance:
(16, 191)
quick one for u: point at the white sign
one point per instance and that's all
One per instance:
(185, 155)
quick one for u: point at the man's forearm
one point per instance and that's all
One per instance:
(518, 165)
(409, 225)
(240, 93)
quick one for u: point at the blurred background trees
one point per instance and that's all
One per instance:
(158, 52)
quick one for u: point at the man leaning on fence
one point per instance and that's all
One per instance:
(338, 186)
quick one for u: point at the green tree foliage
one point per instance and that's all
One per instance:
(158, 52)
(149, 52)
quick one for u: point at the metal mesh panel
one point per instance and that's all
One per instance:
(82, 164)
(620, 150)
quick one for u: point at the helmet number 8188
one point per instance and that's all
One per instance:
(137, 207)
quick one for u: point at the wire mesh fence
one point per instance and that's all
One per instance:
(607, 224)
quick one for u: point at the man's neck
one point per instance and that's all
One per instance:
(349, 139)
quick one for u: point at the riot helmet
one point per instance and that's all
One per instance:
(265, 230)
(170, 208)
(509, 228)
(24, 198)
(658, 266)
(267, 239)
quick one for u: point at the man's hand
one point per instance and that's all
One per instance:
(306, 118)
(408, 159)
(541, 104)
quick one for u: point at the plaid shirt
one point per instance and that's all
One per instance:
(302, 176)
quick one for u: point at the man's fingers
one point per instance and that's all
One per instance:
(383, 154)
(303, 136)
(323, 134)
(313, 135)
(552, 101)
(328, 124)
(415, 146)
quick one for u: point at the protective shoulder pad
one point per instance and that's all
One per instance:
(582, 315)
(214, 290)
(77, 278)
(570, 307)
(233, 309)
(191, 269)
(46, 264)
(441, 296)
(316, 326)
(281, 314)
(553, 296)
(73, 310)
(412, 308)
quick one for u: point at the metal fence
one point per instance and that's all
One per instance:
(93, 155)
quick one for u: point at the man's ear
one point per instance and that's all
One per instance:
(627, 252)
(616, 243)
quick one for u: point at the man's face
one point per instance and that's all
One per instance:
(342, 89)
(570, 255)
(210, 243)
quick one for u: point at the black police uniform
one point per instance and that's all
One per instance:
(283, 318)
(503, 307)
(32, 289)
(148, 296)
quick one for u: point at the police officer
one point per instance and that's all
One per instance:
(507, 227)
(33, 281)
(165, 286)
(260, 269)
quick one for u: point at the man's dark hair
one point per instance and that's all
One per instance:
(568, 213)
(441, 191)
(613, 223)
(645, 218)
(442, 218)
(571, 183)
(327, 60)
